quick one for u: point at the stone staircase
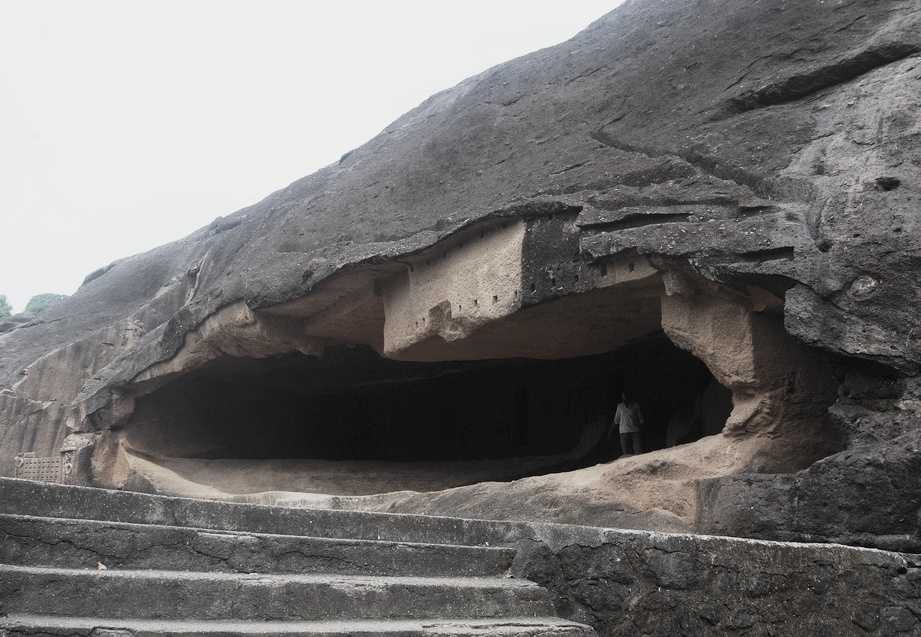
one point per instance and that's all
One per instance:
(80, 561)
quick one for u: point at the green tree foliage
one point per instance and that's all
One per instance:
(6, 310)
(41, 302)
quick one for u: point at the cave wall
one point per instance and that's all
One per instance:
(868, 493)
(776, 381)
(38, 413)
(459, 287)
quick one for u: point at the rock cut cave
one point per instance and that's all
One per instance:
(499, 354)
(404, 425)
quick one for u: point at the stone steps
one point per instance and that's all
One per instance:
(38, 626)
(81, 561)
(149, 594)
(72, 543)
(25, 497)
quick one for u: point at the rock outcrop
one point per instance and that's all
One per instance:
(742, 178)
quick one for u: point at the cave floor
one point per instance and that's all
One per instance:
(347, 477)
(655, 490)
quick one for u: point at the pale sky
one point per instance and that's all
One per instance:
(128, 124)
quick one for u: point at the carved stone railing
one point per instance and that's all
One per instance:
(41, 468)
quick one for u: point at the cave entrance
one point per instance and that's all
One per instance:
(353, 422)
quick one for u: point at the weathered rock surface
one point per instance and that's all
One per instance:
(625, 583)
(766, 155)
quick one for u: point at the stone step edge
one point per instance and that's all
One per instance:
(488, 583)
(505, 625)
(498, 532)
(553, 534)
(140, 526)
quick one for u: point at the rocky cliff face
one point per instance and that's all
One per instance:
(744, 177)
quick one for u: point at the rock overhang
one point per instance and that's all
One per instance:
(543, 297)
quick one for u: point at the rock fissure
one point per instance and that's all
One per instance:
(805, 84)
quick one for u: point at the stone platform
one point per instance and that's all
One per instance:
(83, 561)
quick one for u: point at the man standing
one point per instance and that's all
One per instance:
(629, 420)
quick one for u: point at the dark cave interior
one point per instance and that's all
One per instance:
(352, 404)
